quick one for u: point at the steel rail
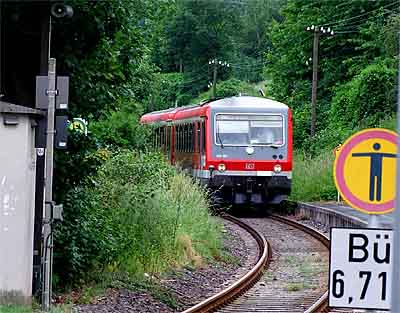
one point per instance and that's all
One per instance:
(244, 283)
(321, 305)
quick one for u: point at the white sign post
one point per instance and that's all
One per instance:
(361, 263)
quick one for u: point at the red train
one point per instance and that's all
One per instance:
(240, 146)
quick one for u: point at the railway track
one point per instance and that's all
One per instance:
(250, 293)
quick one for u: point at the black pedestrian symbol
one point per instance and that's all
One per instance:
(375, 171)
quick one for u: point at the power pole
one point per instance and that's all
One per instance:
(215, 63)
(318, 31)
(314, 83)
(214, 86)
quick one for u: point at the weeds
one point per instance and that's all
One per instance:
(297, 286)
(312, 177)
(140, 216)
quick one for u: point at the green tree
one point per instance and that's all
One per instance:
(201, 31)
(360, 28)
(104, 50)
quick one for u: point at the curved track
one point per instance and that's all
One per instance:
(244, 283)
(256, 301)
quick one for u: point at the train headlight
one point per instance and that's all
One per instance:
(221, 167)
(250, 150)
(277, 168)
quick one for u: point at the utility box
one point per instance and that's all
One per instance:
(17, 201)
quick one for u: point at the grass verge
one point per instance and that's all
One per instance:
(313, 177)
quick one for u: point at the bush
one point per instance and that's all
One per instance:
(120, 128)
(229, 88)
(312, 177)
(168, 89)
(366, 99)
(133, 216)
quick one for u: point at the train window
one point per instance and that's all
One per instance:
(164, 136)
(176, 138)
(168, 139)
(175, 141)
(185, 138)
(161, 135)
(179, 134)
(245, 129)
(203, 137)
(198, 133)
(156, 137)
(180, 138)
(191, 138)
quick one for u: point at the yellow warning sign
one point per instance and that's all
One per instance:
(79, 125)
(365, 170)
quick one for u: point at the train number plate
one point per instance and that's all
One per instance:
(249, 166)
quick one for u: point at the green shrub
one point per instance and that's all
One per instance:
(168, 89)
(133, 216)
(312, 177)
(120, 128)
(229, 88)
(366, 99)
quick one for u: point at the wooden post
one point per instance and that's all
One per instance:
(314, 82)
(214, 87)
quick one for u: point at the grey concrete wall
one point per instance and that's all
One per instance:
(17, 185)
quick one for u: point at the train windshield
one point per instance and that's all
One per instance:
(244, 130)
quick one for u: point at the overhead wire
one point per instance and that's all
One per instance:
(360, 21)
(360, 15)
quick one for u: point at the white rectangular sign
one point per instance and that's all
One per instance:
(360, 268)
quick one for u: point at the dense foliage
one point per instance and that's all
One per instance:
(356, 68)
(133, 216)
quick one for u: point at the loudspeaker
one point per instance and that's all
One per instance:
(61, 10)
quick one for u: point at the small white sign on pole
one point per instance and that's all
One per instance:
(360, 268)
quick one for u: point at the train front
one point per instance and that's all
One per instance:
(250, 155)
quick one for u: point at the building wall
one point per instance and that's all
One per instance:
(17, 185)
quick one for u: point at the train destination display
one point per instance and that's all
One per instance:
(360, 268)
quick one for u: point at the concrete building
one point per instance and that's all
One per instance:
(17, 201)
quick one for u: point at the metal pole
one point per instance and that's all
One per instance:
(214, 90)
(47, 233)
(40, 173)
(314, 82)
(395, 307)
(1, 47)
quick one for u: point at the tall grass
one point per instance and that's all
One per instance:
(174, 229)
(312, 177)
(137, 215)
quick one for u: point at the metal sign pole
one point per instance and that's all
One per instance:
(47, 232)
(396, 224)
